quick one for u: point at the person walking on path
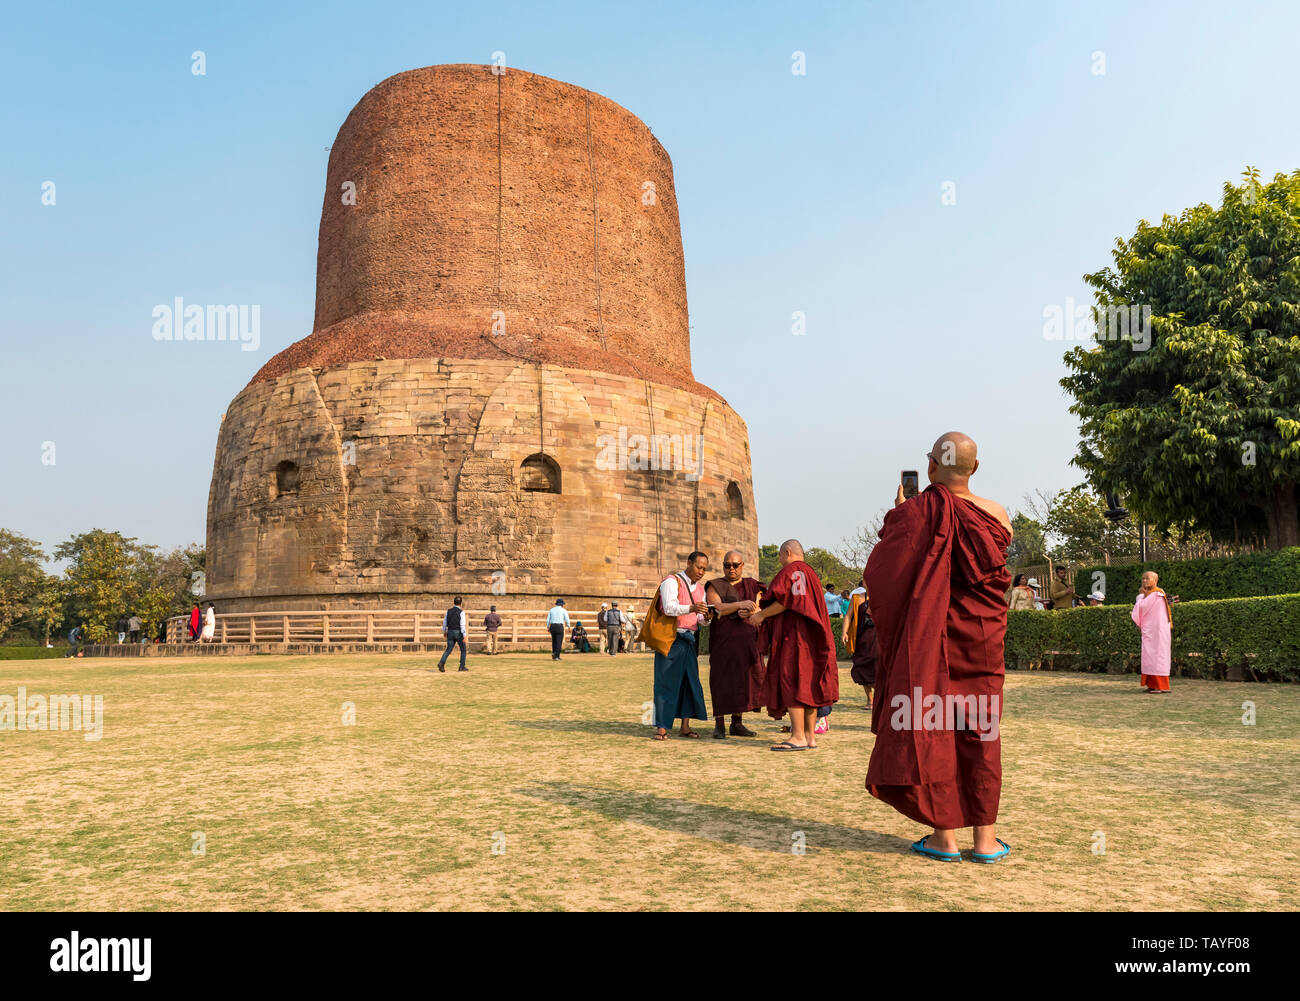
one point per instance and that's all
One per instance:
(557, 624)
(453, 627)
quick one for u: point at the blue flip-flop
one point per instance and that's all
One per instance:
(920, 849)
(990, 859)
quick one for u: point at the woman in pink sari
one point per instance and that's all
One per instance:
(1153, 616)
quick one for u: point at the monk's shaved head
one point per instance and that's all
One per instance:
(733, 556)
(953, 458)
(790, 550)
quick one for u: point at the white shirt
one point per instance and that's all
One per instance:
(833, 606)
(557, 616)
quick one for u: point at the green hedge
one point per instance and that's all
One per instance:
(1249, 576)
(1259, 635)
(31, 652)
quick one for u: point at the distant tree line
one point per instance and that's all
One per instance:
(1069, 526)
(830, 568)
(108, 576)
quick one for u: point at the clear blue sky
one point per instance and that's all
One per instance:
(819, 193)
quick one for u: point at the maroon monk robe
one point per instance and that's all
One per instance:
(801, 650)
(937, 577)
(735, 670)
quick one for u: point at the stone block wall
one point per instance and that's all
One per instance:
(407, 486)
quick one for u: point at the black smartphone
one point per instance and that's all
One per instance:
(910, 483)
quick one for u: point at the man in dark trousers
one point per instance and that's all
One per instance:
(453, 627)
(491, 623)
(613, 627)
(557, 624)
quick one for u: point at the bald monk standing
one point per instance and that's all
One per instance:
(735, 669)
(801, 672)
(937, 579)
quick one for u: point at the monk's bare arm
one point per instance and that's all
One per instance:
(776, 608)
(723, 607)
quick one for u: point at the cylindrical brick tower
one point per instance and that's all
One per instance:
(497, 397)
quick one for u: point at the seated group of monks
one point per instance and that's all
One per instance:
(930, 633)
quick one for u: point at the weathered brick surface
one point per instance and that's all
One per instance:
(408, 421)
(563, 246)
(439, 510)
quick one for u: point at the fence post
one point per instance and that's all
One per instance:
(286, 630)
(417, 628)
(514, 631)
(252, 628)
(325, 627)
(370, 627)
(223, 629)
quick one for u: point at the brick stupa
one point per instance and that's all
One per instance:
(500, 322)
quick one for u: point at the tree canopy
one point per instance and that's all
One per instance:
(829, 567)
(1195, 421)
(21, 576)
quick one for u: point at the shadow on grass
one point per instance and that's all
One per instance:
(601, 726)
(612, 728)
(748, 828)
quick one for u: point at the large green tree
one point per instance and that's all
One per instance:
(165, 583)
(47, 609)
(1080, 530)
(1194, 417)
(1028, 545)
(829, 567)
(21, 575)
(102, 582)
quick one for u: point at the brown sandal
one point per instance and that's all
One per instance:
(689, 733)
(660, 734)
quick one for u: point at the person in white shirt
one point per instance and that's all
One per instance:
(834, 607)
(557, 623)
(678, 694)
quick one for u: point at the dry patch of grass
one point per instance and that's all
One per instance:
(552, 761)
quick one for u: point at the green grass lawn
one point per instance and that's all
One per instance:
(399, 811)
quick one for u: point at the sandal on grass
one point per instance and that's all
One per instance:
(920, 848)
(689, 733)
(785, 745)
(660, 734)
(992, 857)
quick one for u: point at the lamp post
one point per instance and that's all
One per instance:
(1116, 513)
